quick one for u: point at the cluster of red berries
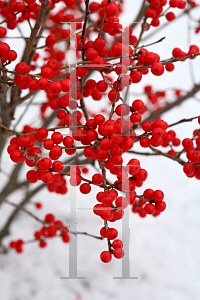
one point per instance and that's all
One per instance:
(51, 231)
(159, 135)
(6, 54)
(153, 205)
(17, 245)
(103, 139)
(54, 227)
(116, 246)
(192, 168)
(15, 12)
(155, 11)
(177, 52)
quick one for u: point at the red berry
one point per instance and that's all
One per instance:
(157, 69)
(31, 176)
(47, 177)
(85, 188)
(160, 206)
(118, 253)
(112, 233)
(41, 134)
(117, 244)
(138, 105)
(42, 244)
(187, 144)
(38, 205)
(49, 218)
(149, 208)
(97, 179)
(47, 72)
(170, 16)
(55, 87)
(105, 256)
(3, 32)
(158, 195)
(57, 166)
(21, 68)
(51, 39)
(136, 76)
(169, 67)
(24, 141)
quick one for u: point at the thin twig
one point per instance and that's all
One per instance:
(46, 223)
(115, 98)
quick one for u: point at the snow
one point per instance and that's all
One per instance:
(164, 251)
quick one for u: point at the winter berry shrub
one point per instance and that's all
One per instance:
(72, 141)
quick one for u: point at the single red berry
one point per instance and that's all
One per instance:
(136, 76)
(3, 32)
(97, 179)
(148, 194)
(53, 64)
(117, 244)
(25, 141)
(187, 144)
(48, 144)
(41, 134)
(149, 208)
(105, 256)
(160, 206)
(144, 142)
(150, 13)
(31, 176)
(55, 87)
(51, 39)
(21, 68)
(57, 137)
(12, 55)
(85, 188)
(44, 163)
(47, 177)
(170, 16)
(42, 244)
(49, 218)
(118, 253)
(57, 166)
(103, 232)
(169, 67)
(112, 233)
(43, 83)
(47, 72)
(38, 205)
(75, 180)
(157, 69)
(158, 195)
(138, 105)
(55, 152)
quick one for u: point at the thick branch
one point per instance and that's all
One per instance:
(170, 106)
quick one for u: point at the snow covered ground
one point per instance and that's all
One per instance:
(164, 251)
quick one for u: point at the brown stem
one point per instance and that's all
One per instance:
(183, 121)
(175, 158)
(115, 98)
(4, 113)
(46, 223)
(31, 43)
(141, 33)
(170, 106)
(102, 25)
(168, 23)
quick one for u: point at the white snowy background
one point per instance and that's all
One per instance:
(164, 251)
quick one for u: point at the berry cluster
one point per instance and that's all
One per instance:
(105, 137)
(54, 227)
